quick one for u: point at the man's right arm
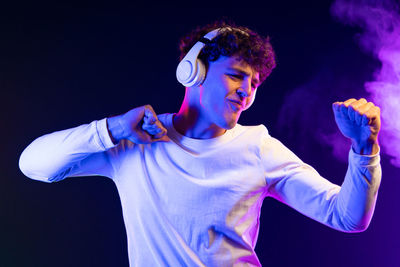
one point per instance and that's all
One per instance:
(75, 151)
(81, 151)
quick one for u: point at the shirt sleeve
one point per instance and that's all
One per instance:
(347, 208)
(78, 151)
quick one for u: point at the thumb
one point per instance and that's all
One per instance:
(164, 138)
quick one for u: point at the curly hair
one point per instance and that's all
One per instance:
(239, 41)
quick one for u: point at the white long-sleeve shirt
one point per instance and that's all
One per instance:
(192, 202)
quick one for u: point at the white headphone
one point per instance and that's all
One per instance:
(191, 71)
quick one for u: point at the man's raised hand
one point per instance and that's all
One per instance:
(359, 121)
(139, 125)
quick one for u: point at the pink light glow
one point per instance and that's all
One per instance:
(380, 24)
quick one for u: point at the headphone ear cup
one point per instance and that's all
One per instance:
(191, 71)
(196, 77)
(201, 73)
(184, 71)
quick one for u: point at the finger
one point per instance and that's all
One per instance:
(152, 129)
(364, 120)
(348, 108)
(157, 133)
(373, 115)
(365, 107)
(354, 110)
(155, 129)
(349, 101)
(160, 134)
(141, 138)
(362, 110)
(164, 138)
(343, 111)
(351, 113)
(336, 106)
(155, 125)
(337, 110)
(146, 138)
(358, 103)
(150, 113)
(149, 119)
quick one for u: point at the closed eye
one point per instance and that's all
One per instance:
(236, 76)
(241, 77)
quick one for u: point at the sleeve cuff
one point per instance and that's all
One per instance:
(103, 135)
(364, 160)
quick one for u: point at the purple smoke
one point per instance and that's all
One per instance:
(379, 21)
(314, 117)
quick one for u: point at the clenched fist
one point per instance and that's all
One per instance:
(359, 121)
(139, 125)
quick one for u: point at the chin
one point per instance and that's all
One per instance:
(229, 124)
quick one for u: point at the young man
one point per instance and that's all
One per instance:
(192, 183)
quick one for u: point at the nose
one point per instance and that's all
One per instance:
(244, 90)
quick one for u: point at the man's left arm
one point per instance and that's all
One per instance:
(348, 207)
(360, 121)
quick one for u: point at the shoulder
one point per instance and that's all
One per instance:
(252, 137)
(165, 118)
(253, 130)
(258, 136)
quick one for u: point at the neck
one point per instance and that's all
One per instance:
(191, 123)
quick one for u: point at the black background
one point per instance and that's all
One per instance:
(65, 64)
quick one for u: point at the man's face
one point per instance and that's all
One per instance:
(228, 88)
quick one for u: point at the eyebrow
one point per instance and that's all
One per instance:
(255, 80)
